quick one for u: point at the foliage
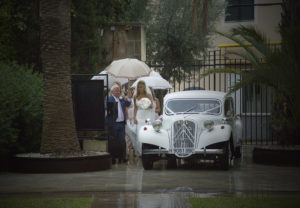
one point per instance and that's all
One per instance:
(277, 69)
(76, 202)
(244, 202)
(20, 109)
(88, 17)
(19, 32)
(135, 11)
(171, 35)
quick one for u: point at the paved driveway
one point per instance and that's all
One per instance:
(131, 184)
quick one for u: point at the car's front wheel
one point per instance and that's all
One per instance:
(226, 157)
(172, 163)
(147, 162)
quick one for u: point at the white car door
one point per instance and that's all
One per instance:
(232, 120)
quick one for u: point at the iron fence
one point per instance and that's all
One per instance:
(252, 103)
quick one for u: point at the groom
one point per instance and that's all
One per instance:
(116, 120)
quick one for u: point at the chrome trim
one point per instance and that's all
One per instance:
(202, 151)
(154, 151)
(183, 137)
(209, 151)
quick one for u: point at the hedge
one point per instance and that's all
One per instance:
(21, 96)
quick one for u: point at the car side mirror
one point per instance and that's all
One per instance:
(237, 116)
(229, 113)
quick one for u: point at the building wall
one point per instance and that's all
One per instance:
(266, 20)
(122, 40)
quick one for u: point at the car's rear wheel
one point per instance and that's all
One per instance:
(238, 152)
(226, 157)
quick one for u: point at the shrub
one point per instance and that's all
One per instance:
(21, 95)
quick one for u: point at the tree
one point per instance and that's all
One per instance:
(59, 133)
(20, 32)
(19, 37)
(278, 69)
(135, 10)
(176, 32)
(88, 17)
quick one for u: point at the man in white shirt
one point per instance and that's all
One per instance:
(116, 120)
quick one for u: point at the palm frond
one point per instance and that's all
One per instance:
(245, 56)
(242, 43)
(254, 37)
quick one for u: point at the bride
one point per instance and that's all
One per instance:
(142, 110)
(142, 104)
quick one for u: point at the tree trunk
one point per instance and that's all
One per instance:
(59, 133)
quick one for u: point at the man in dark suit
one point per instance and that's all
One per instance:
(116, 120)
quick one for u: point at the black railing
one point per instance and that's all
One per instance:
(252, 103)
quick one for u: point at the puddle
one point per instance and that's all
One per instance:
(145, 200)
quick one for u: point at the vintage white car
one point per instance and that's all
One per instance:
(195, 126)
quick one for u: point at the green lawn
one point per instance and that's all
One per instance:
(246, 202)
(45, 202)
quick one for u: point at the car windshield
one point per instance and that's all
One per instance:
(188, 106)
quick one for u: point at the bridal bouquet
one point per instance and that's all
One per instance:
(145, 103)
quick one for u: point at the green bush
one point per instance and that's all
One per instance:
(21, 95)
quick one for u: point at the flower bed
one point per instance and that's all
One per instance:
(37, 163)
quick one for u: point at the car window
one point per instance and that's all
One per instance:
(209, 106)
(228, 107)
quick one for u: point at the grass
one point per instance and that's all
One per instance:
(45, 202)
(246, 202)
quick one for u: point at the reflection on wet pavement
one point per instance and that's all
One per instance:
(129, 185)
(140, 200)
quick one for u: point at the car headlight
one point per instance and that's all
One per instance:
(148, 121)
(157, 125)
(208, 125)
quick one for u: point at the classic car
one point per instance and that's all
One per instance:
(195, 126)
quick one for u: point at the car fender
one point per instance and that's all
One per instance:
(239, 131)
(219, 133)
(148, 135)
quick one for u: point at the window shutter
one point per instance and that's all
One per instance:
(239, 13)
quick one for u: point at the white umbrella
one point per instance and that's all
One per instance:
(154, 74)
(155, 82)
(111, 79)
(128, 68)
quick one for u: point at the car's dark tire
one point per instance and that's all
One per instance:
(172, 163)
(226, 157)
(237, 152)
(147, 162)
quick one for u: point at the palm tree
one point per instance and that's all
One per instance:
(59, 133)
(204, 15)
(278, 69)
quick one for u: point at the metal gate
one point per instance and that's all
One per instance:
(88, 104)
(253, 103)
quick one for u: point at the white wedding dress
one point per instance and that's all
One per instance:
(141, 116)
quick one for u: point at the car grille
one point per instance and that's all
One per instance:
(183, 137)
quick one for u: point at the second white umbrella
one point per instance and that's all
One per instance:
(155, 82)
(111, 79)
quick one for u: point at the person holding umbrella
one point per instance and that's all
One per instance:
(116, 120)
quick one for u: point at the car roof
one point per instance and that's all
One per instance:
(196, 94)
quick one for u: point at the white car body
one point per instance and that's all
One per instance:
(195, 133)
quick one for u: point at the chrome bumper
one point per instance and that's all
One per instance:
(202, 151)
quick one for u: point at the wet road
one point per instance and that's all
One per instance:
(128, 185)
